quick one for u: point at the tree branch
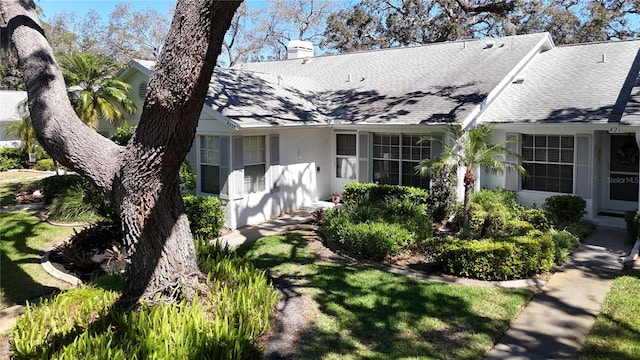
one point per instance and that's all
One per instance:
(58, 128)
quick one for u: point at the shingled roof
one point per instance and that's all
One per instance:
(586, 83)
(429, 84)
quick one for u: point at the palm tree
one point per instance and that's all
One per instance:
(93, 92)
(23, 129)
(472, 149)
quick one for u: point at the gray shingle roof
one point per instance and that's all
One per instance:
(427, 84)
(572, 84)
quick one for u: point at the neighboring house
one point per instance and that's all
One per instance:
(9, 100)
(273, 136)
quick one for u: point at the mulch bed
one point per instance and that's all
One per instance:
(95, 251)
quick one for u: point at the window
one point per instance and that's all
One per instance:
(253, 154)
(395, 157)
(549, 163)
(346, 156)
(210, 164)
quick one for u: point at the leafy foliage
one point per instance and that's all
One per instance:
(123, 135)
(632, 219)
(498, 259)
(93, 92)
(45, 165)
(73, 198)
(442, 194)
(379, 221)
(11, 158)
(224, 323)
(563, 209)
(206, 215)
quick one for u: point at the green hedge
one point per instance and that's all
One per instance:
(44, 165)
(503, 259)
(11, 158)
(370, 240)
(563, 209)
(379, 221)
(371, 192)
(206, 215)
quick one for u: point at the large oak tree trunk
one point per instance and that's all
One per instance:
(140, 179)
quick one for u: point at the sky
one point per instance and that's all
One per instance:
(104, 7)
(80, 7)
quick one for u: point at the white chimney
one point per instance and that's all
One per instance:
(298, 49)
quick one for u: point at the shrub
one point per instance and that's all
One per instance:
(72, 205)
(123, 135)
(78, 193)
(53, 186)
(501, 259)
(537, 218)
(206, 215)
(563, 209)
(11, 158)
(442, 194)
(632, 218)
(371, 240)
(491, 209)
(187, 177)
(227, 322)
(580, 229)
(45, 165)
(517, 227)
(371, 192)
(564, 243)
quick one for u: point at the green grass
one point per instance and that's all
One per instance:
(23, 240)
(616, 333)
(10, 182)
(367, 313)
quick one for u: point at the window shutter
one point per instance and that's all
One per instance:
(274, 145)
(363, 157)
(224, 166)
(237, 153)
(582, 172)
(511, 176)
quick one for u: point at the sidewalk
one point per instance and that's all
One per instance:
(556, 322)
(283, 223)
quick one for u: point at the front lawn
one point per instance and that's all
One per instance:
(367, 313)
(616, 333)
(24, 240)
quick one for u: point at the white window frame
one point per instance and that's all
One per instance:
(254, 155)
(560, 162)
(213, 160)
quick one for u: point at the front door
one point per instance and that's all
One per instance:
(621, 188)
(345, 160)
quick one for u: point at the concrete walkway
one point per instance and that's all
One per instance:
(556, 322)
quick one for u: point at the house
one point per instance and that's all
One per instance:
(276, 135)
(9, 101)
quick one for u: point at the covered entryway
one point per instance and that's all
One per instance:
(621, 173)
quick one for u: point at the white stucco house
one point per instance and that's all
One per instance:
(9, 101)
(274, 136)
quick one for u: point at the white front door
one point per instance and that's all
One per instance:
(621, 170)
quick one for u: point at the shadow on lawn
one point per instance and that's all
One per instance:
(376, 314)
(17, 285)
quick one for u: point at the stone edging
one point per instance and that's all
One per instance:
(51, 270)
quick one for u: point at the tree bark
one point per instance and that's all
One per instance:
(141, 179)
